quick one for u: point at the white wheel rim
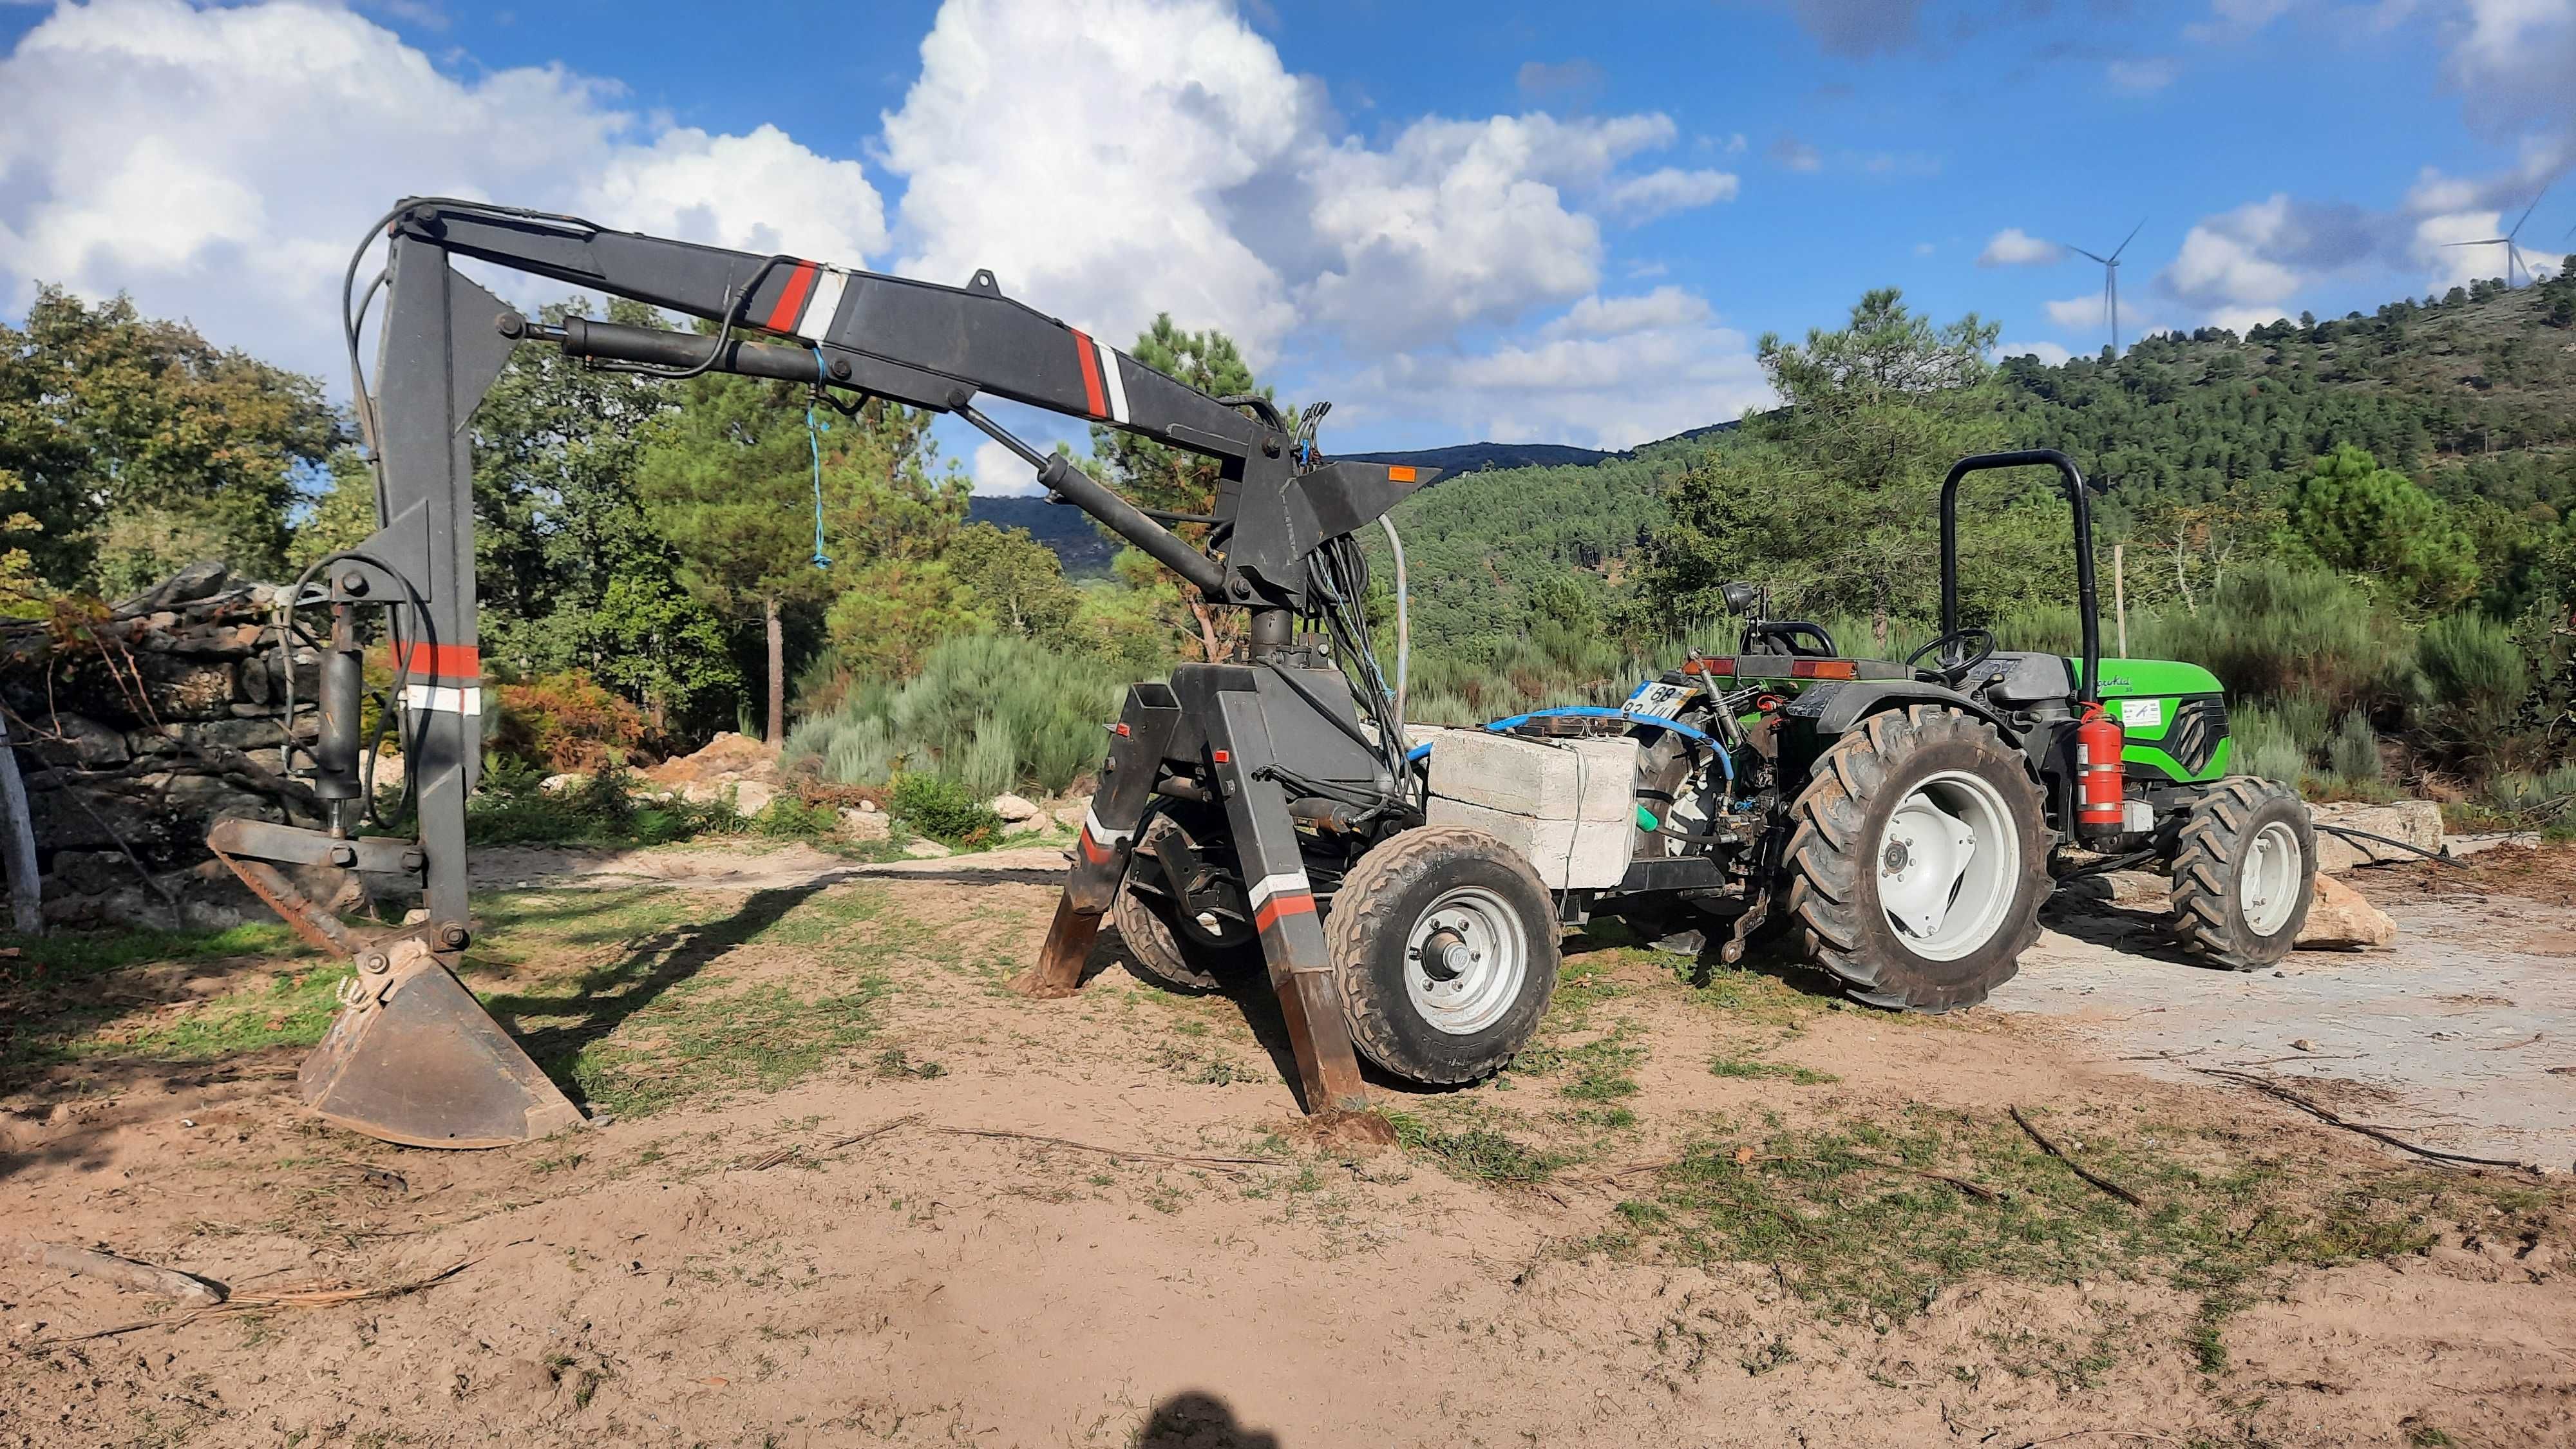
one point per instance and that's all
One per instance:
(1465, 960)
(1949, 865)
(2267, 886)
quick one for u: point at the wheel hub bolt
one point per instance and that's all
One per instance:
(1445, 955)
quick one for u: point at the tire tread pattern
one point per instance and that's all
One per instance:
(1827, 861)
(2204, 872)
(1365, 910)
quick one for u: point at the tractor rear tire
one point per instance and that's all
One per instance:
(1918, 860)
(1444, 943)
(1175, 953)
(2244, 873)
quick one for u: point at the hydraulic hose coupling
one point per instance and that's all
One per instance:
(2098, 783)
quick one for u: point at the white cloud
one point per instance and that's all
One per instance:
(1670, 189)
(1924, 249)
(2047, 352)
(2258, 257)
(1172, 163)
(2143, 75)
(1610, 373)
(2077, 313)
(998, 470)
(219, 164)
(1100, 192)
(2013, 247)
(758, 193)
(1658, 310)
(2446, 266)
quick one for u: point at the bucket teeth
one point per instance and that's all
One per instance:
(414, 1059)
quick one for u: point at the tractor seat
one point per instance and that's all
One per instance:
(2017, 678)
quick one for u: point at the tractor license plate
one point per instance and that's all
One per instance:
(1659, 699)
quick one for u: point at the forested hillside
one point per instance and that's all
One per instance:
(2473, 395)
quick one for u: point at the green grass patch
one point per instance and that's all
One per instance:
(76, 955)
(295, 1009)
(1743, 1067)
(1867, 1217)
(1478, 1154)
(710, 1035)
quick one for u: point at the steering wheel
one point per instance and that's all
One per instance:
(1959, 652)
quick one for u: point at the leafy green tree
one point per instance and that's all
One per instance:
(341, 516)
(1016, 582)
(1832, 498)
(728, 480)
(1175, 480)
(2372, 523)
(142, 446)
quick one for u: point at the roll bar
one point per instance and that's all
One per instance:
(2078, 496)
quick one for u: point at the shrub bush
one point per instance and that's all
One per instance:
(2275, 632)
(2353, 751)
(942, 809)
(988, 712)
(2266, 747)
(2474, 672)
(563, 722)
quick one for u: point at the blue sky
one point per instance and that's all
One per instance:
(1522, 221)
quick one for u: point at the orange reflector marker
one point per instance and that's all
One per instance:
(1720, 667)
(1399, 474)
(1824, 669)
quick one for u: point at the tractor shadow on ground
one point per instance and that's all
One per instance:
(2088, 910)
(607, 995)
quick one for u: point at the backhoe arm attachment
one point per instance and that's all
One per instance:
(412, 1057)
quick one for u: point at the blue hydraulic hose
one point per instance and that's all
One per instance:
(1594, 711)
(815, 428)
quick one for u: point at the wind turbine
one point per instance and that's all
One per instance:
(2111, 278)
(2512, 252)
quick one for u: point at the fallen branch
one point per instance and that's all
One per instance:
(2271, 1088)
(786, 1154)
(258, 1302)
(126, 1273)
(1183, 1159)
(2051, 1148)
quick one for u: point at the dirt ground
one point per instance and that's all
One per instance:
(856, 1192)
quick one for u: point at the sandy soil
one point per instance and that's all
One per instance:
(1099, 1223)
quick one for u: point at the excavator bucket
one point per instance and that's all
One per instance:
(414, 1059)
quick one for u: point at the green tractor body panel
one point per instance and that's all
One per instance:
(2174, 717)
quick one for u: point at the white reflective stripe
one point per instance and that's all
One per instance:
(1109, 379)
(1292, 883)
(1102, 834)
(823, 305)
(454, 699)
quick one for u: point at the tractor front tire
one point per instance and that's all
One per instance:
(1918, 860)
(2244, 873)
(1444, 943)
(1177, 953)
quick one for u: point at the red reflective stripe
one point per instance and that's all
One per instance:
(1090, 355)
(440, 661)
(791, 303)
(1223, 758)
(1286, 903)
(1091, 850)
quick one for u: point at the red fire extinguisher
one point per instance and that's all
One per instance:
(2097, 774)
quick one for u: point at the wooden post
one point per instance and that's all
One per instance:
(18, 843)
(2120, 592)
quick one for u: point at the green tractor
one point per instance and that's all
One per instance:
(1921, 812)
